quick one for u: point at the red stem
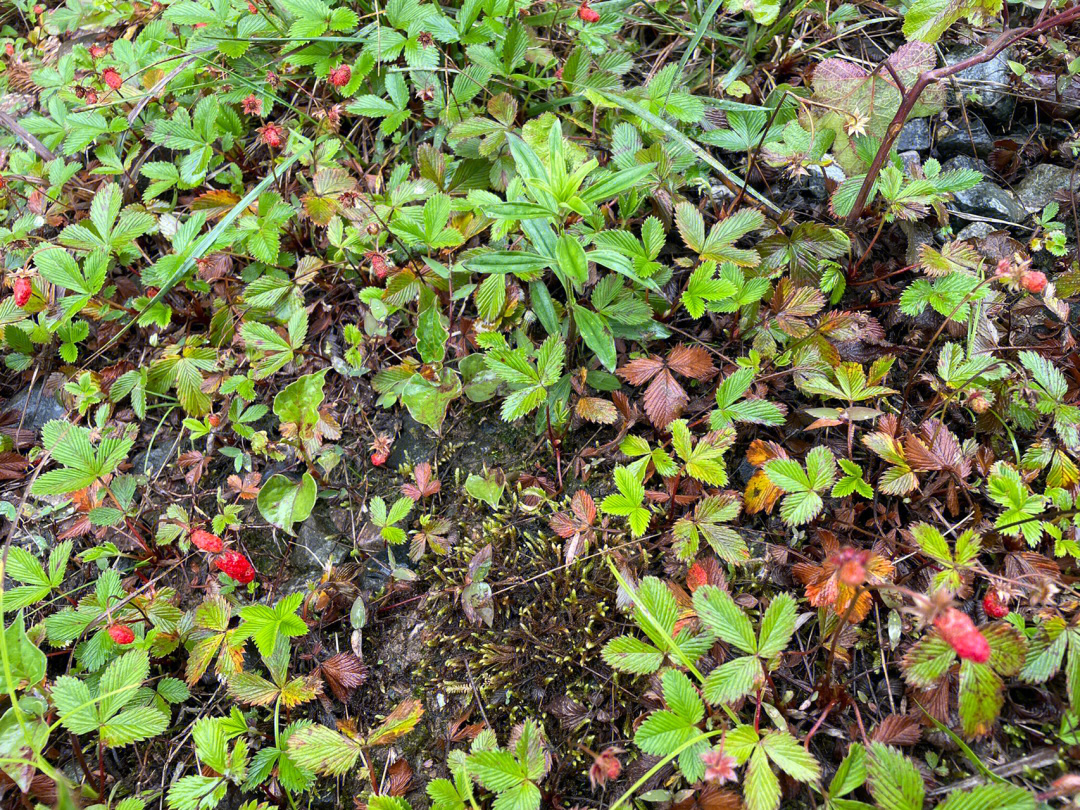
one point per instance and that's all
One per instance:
(911, 97)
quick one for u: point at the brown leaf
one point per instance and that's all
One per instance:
(398, 778)
(641, 370)
(194, 461)
(343, 673)
(897, 729)
(691, 361)
(711, 798)
(247, 488)
(12, 466)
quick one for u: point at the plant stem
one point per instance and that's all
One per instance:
(653, 770)
(911, 97)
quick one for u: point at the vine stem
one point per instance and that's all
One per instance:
(926, 78)
(655, 768)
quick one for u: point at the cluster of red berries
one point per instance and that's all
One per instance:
(231, 563)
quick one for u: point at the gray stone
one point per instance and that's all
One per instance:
(976, 230)
(914, 136)
(918, 234)
(153, 460)
(986, 199)
(1042, 183)
(816, 181)
(39, 406)
(318, 543)
(987, 84)
(956, 140)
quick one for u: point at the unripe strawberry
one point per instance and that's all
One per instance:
(24, 288)
(205, 541)
(586, 14)
(121, 633)
(39, 9)
(235, 565)
(112, 78)
(96, 51)
(963, 636)
(9, 49)
(341, 75)
(1033, 281)
(994, 607)
(378, 459)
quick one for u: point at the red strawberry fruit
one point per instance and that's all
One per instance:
(272, 136)
(205, 541)
(963, 636)
(340, 76)
(121, 633)
(112, 77)
(236, 565)
(24, 288)
(586, 14)
(994, 607)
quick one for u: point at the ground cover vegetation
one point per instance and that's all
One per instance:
(504, 404)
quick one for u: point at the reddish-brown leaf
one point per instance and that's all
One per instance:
(664, 399)
(398, 778)
(194, 461)
(897, 729)
(425, 485)
(343, 673)
(641, 370)
(691, 361)
(711, 798)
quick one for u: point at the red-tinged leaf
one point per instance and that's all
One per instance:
(706, 571)
(595, 409)
(217, 203)
(897, 729)
(641, 370)
(425, 485)
(399, 778)
(584, 507)
(664, 399)
(343, 673)
(691, 361)
(711, 797)
(247, 488)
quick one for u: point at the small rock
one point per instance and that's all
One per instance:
(918, 234)
(987, 84)
(914, 136)
(153, 460)
(414, 443)
(986, 199)
(1042, 183)
(40, 407)
(976, 230)
(818, 175)
(318, 542)
(957, 140)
